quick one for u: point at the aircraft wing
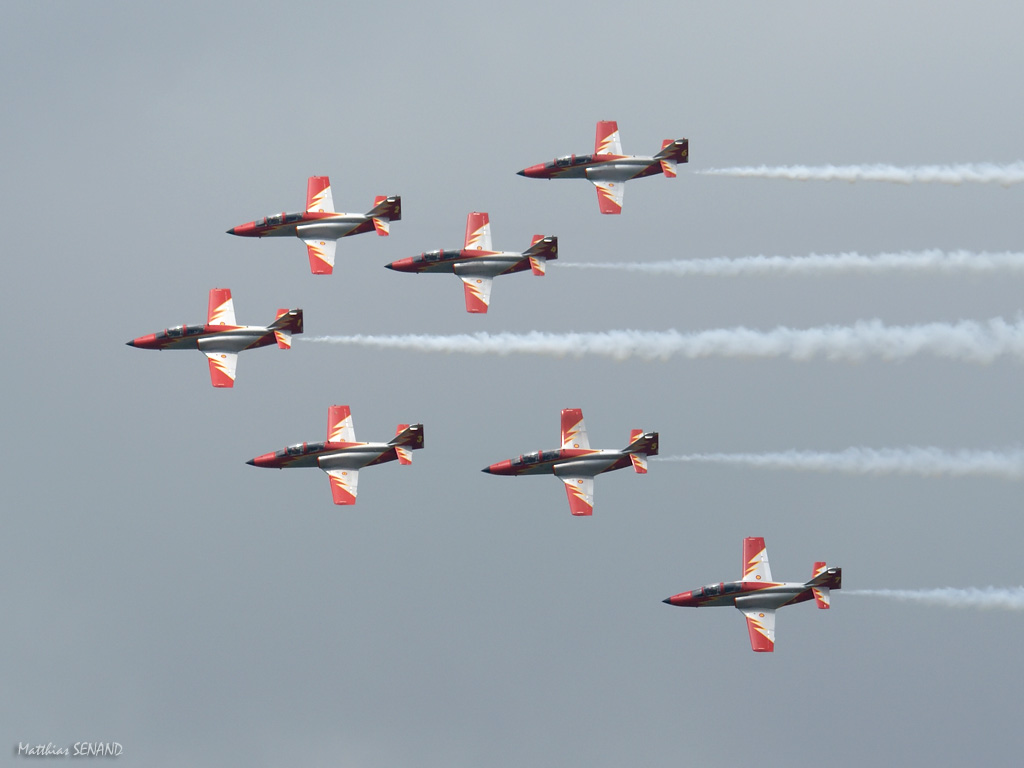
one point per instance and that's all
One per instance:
(606, 140)
(478, 292)
(318, 194)
(321, 255)
(478, 232)
(344, 483)
(761, 627)
(755, 560)
(221, 309)
(339, 424)
(222, 368)
(574, 430)
(609, 195)
(580, 491)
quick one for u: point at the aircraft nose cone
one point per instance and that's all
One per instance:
(667, 600)
(130, 343)
(390, 266)
(486, 469)
(521, 173)
(251, 462)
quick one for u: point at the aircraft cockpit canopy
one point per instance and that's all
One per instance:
(526, 459)
(180, 331)
(568, 160)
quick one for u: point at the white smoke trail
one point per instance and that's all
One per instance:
(979, 173)
(817, 264)
(1007, 464)
(971, 341)
(992, 598)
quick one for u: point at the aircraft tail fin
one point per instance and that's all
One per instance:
(288, 321)
(385, 210)
(641, 445)
(407, 439)
(822, 581)
(673, 151)
(542, 249)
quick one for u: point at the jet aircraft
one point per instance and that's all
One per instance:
(576, 463)
(608, 169)
(321, 226)
(341, 457)
(221, 339)
(477, 264)
(758, 597)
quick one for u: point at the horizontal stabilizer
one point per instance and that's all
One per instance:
(381, 225)
(639, 463)
(668, 167)
(284, 339)
(821, 596)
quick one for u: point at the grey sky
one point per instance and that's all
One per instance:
(162, 594)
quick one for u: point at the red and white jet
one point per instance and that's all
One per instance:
(341, 457)
(478, 264)
(758, 596)
(608, 169)
(321, 226)
(576, 463)
(221, 339)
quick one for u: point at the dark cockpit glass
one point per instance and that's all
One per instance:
(699, 592)
(271, 220)
(432, 255)
(289, 218)
(193, 330)
(297, 450)
(281, 454)
(712, 589)
(561, 162)
(732, 588)
(314, 447)
(549, 455)
(176, 331)
(531, 458)
(581, 159)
